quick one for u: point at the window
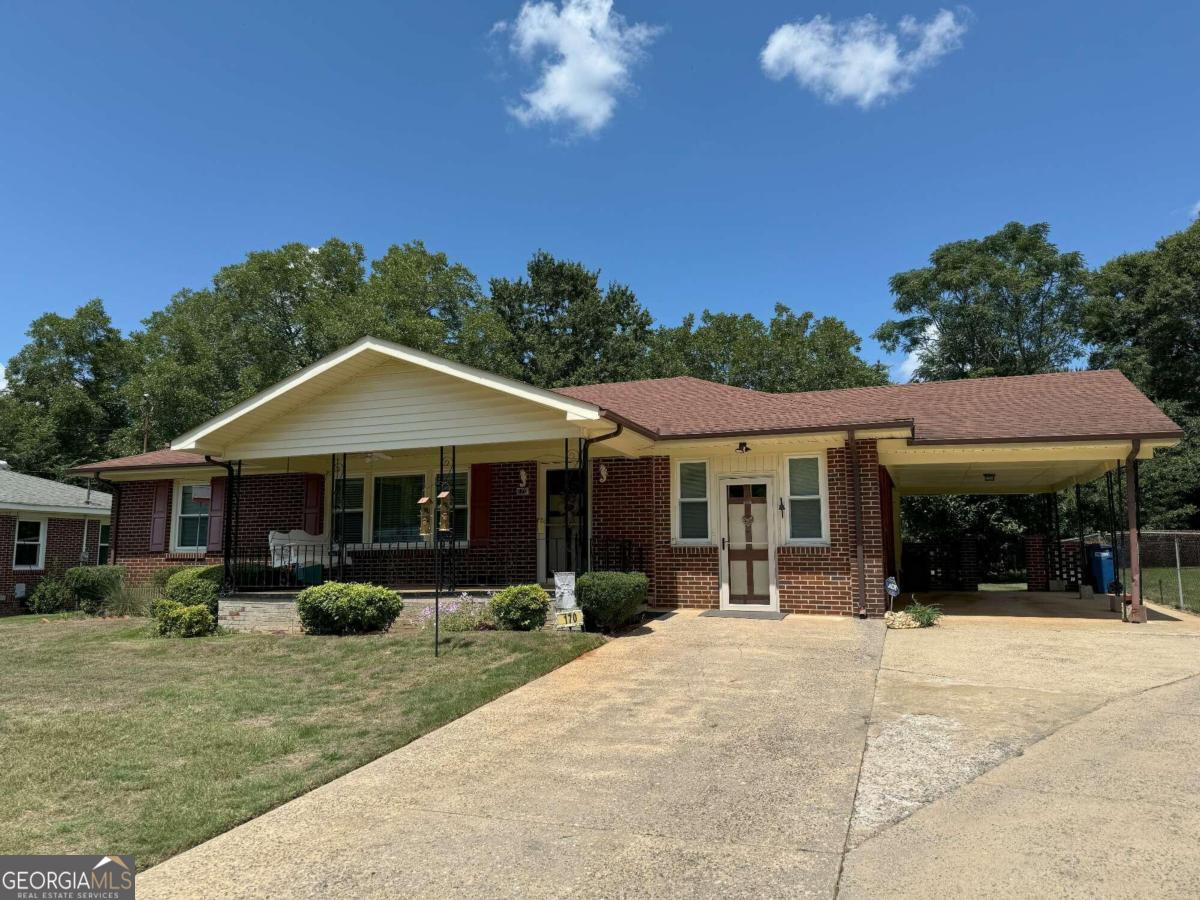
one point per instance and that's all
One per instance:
(693, 501)
(806, 516)
(191, 522)
(348, 510)
(461, 510)
(397, 512)
(30, 552)
(102, 554)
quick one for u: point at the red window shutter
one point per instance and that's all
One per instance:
(216, 516)
(481, 504)
(158, 516)
(314, 487)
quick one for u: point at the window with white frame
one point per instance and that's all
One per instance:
(30, 550)
(348, 509)
(692, 506)
(102, 554)
(396, 513)
(806, 499)
(191, 517)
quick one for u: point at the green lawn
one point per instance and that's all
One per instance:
(114, 741)
(1161, 586)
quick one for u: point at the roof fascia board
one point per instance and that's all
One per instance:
(572, 407)
(40, 509)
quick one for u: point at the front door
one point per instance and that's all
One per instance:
(747, 554)
(561, 518)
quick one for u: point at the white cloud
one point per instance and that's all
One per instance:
(1196, 210)
(859, 59)
(903, 371)
(587, 52)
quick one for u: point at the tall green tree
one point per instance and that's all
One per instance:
(791, 352)
(559, 328)
(64, 404)
(1007, 304)
(1143, 317)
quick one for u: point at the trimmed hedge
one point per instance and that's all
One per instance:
(196, 585)
(161, 576)
(93, 586)
(50, 596)
(522, 607)
(339, 608)
(174, 619)
(610, 599)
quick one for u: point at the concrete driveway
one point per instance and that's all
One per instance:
(724, 757)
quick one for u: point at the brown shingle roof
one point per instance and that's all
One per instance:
(1089, 405)
(155, 459)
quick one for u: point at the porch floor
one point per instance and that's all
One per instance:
(1034, 605)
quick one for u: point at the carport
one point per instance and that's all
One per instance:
(1035, 435)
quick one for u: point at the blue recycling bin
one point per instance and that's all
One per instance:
(1100, 564)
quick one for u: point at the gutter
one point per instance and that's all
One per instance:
(228, 582)
(112, 516)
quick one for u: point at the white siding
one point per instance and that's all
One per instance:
(397, 405)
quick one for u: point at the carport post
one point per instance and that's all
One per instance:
(1137, 612)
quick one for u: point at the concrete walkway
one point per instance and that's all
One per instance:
(994, 755)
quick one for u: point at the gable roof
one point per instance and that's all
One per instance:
(1066, 406)
(30, 493)
(342, 363)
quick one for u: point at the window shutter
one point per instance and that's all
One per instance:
(481, 504)
(314, 488)
(158, 516)
(216, 516)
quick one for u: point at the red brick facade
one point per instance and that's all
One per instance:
(64, 550)
(633, 505)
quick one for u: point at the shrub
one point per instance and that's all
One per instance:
(94, 586)
(463, 614)
(161, 576)
(337, 608)
(610, 599)
(176, 620)
(923, 614)
(50, 596)
(522, 607)
(131, 600)
(196, 585)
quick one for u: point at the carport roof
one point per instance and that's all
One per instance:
(1067, 406)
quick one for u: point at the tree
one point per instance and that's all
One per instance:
(1143, 317)
(1006, 304)
(560, 329)
(64, 404)
(790, 353)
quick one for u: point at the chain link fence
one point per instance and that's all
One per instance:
(1170, 568)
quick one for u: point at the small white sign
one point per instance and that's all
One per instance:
(564, 590)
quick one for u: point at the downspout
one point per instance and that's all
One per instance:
(585, 462)
(112, 517)
(856, 492)
(227, 530)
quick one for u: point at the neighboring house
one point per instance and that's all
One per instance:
(724, 497)
(46, 527)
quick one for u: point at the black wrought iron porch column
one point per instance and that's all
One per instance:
(232, 517)
(585, 481)
(342, 501)
(566, 495)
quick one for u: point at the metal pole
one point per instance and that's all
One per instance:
(453, 535)
(1137, 612)
(342, 544)
(437, 554)
(1178, 573)
(1079, 524)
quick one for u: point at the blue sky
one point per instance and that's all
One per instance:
(144, 145)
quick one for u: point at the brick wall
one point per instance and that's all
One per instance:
(810, 579)
(1037, 568)
(64, 550)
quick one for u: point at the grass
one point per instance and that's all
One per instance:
(1161, 586)
(114, 741)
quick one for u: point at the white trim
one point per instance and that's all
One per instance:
(772, 540)
(368, 507)
(707, 540)
(96, 512)
(575, 410)
(786, 493)
(176, 505)
(41, 557)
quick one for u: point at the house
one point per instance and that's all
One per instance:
(46, 528)
(381, 463)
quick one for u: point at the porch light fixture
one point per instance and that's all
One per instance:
(989, 476)
(742, 447)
